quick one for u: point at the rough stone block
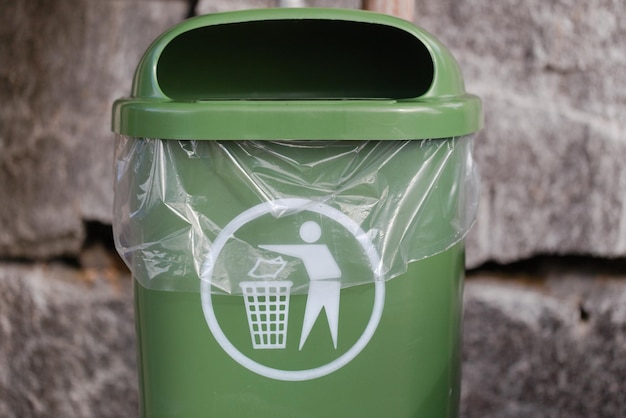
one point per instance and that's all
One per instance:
(62, 64)
(551, 76)
(549, 343)
(67, 343)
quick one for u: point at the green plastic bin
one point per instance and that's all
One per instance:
(293, 187)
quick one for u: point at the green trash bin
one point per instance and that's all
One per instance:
(293, 187)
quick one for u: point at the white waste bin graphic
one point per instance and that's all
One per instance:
(267, 309)
(278, 267)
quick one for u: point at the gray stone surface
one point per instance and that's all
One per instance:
(551, 152)
(550, 342)
(62, 63)
(545, 340)
(551, 76)
(67, 343)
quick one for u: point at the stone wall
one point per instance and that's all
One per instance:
(551, 76)
(545, 337)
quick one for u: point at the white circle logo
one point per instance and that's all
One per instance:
(267, 298)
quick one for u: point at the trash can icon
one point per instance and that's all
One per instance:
(293, 189)
(267, 309)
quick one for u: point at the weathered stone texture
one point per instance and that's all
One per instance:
(61, 66)
(551, 344)
(548, 342)
(67, 343)
(551, 76)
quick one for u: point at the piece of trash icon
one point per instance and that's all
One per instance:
(267, 269)
(267, 309)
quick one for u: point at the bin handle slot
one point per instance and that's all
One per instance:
(294, 59)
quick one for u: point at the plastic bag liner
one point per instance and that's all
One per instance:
(231, 212)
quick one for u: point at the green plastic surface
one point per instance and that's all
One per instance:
(297, 74)
(410, 368)
(292, 74)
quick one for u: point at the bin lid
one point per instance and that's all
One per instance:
(318, 74)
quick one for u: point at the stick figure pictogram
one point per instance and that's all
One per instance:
(324, 275)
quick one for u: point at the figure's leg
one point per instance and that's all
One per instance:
(331, 305)
(322, 294)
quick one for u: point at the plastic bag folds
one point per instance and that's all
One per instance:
(231, 212)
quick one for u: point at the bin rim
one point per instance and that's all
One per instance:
(444, 110)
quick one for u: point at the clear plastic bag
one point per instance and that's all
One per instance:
(229, 212)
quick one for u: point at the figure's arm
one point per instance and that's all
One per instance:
(299, 251)
(317, 259)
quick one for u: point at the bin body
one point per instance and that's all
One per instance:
(297, 252)
(410, 369)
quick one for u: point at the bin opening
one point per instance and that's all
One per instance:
(295, 60)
